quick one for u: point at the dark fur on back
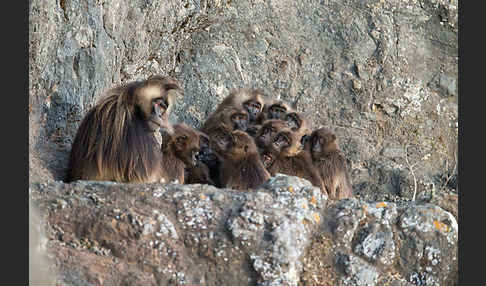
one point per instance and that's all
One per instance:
(113, 142)
(243, 174)
(299, 165)
(241, 166)
(291, 159)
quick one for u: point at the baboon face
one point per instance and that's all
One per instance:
(187, 145)
(285, 143)
(277, 111)
(322, 140)
(281, 141)
(293, 121)
(206, 154)
(153, 100)
(239, 120)
(241, 145)
(268, 131)
(220, 140)
(253, 107)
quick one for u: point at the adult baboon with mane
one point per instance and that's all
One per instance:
(116, 140)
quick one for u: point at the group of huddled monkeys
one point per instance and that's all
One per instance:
(127, 137)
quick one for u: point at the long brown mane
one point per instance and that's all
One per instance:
(113, 142)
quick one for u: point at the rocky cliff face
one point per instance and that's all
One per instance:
(382, 74)
(284, 233)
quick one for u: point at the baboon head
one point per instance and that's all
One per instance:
(116, 139)
(278, 109)
(220, 139)
(241, 145)
(267, 131)
(236, 117)
(254, 105)
(153, 100)
(285, 143)
(296, 122)
(186, 144)
(206, 154)
(322, 141)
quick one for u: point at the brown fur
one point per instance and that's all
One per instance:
(286, 156)
(331, 163)
(115, 141)
(235, 118)
(268, 130)
(297, 123)
(241, 166)
(270, 105)
(251, 100)
(179, 150)
(206, 166)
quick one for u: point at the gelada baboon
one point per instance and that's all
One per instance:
(207, 164)
(179, 150)
(116, 140)
(267, 131)
(275, 109)
(252, 100)
(330, 162)
(297, 122)
(241, 166)
(232, 117)
(284, 154)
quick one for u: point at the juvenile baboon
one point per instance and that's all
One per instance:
(330, 162)
(267, 131)
(275, 109)
(116, 140)
(284, 154)
(252, 100)
(179, 151)
(241, 166)
(297, 122)
(219, 139)
(207, 164)
(235, 118)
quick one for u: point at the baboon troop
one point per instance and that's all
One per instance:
(248, 138)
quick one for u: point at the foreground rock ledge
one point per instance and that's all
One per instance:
(103, 233)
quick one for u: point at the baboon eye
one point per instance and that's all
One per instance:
(278, 109)
(255, 105)
(181, 139)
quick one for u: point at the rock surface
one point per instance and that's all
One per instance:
(382, 74)
(103, 233)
